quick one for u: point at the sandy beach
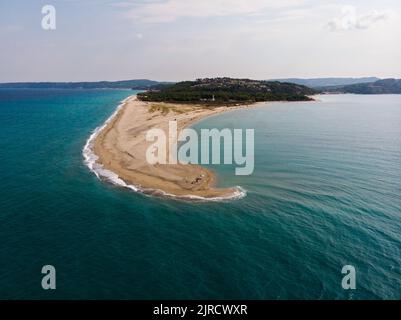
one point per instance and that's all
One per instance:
(121, 148)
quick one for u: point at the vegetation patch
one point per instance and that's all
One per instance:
(217, 91)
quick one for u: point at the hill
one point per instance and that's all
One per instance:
(139, 84)
(328, 82)
(386, 86)
(223, 90)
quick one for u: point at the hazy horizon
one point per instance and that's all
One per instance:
(174, 40)
(223, 76)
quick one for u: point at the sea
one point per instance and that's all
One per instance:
(325, 194)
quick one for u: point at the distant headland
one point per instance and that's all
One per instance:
(137, 84)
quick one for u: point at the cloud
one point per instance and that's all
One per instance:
(172, 10)
(351, 20)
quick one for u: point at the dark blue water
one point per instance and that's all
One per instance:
(325, 193)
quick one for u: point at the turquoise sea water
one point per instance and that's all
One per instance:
(326, 192)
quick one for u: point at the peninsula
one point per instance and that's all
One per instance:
(121, 145)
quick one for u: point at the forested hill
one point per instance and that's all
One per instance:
(386, 86)
(223, 90)
(318, 83)
(139, 84)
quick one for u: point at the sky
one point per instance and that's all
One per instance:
(173, 40)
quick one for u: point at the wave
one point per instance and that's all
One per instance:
(90, 160)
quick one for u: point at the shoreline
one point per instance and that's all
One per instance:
(109, 152)
(115, 151)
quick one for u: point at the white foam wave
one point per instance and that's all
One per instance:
(90, 160)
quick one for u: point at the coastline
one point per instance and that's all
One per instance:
(116, 152)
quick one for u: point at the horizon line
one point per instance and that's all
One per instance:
(150, 79)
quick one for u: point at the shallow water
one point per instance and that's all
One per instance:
(325, 193)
